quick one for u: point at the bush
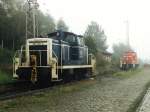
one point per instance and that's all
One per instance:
(5, 56)
(5, 78)
(6, 59)
(104, 67)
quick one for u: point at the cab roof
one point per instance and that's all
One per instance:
(59, 33)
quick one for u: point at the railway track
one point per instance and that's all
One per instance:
(13, 85)
(22, 93)
(12, 90)
(18, 89)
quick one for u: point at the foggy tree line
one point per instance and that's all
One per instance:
(12, 27)
(13, 23)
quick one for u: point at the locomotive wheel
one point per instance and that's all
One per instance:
(76, 75)
(67, 76)
(88, 73)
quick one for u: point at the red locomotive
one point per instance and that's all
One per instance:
(128, 60)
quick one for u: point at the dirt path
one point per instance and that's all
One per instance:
(111, 94)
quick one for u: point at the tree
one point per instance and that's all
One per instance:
(90, 42)
(61, 25)
(95, 38)
(13, 23)
(118, 51)
(46, 23)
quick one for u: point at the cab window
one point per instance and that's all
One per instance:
(80, 41)
(70, 39)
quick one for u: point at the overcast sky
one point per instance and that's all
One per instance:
(111, 15)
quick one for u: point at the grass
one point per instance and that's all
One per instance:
(5, 78)
(126, 74)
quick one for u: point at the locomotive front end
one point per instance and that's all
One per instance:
(34, 62)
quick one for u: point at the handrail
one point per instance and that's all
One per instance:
(19, 52)
(55, 55)
(15, 55)
(33, 51)
(56, 60)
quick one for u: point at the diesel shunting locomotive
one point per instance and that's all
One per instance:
(129, 60)
(59, 56)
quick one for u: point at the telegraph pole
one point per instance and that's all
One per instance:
(31, 20)
(127, 34)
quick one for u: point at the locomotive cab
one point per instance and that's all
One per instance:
(74, 51)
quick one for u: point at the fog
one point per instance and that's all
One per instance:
(111, 15)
